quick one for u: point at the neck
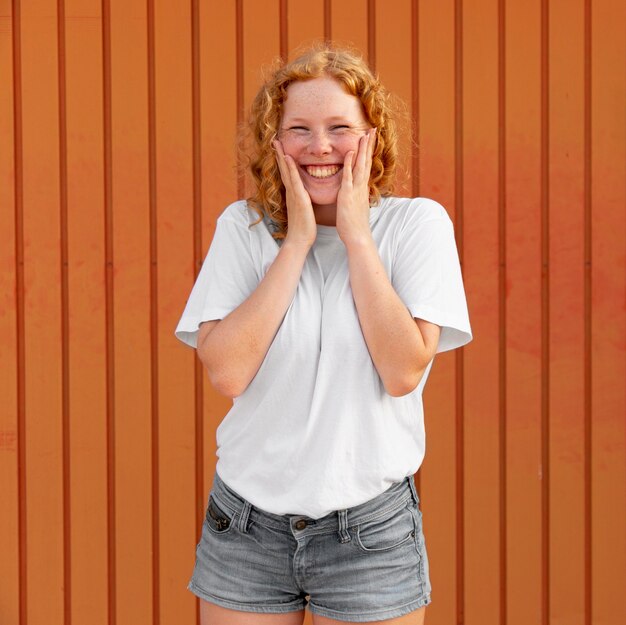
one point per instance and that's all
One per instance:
(325, 215)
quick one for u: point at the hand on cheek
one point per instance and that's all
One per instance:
(353, 206)
(301, 228)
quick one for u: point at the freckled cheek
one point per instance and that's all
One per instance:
(289, 151)
(350, 144)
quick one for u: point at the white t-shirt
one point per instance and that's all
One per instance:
(315, 430)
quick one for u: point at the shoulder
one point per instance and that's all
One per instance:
(239, 212)
(404, 212)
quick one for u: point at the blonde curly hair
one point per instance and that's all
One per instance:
(349, 68)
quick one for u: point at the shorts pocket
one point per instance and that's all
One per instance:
(217, 520)
(386, 532)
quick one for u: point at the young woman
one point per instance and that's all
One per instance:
(319, 309)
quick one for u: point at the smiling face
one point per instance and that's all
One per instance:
(321, 123)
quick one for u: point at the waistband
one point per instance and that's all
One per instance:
(395, 496)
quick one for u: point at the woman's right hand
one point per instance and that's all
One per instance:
(301, 225)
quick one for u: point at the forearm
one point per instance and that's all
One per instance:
(394, 341)
(235, 348)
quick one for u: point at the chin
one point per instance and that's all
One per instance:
(323, 203)
(323, 199)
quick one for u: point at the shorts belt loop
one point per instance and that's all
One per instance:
(344, 535)
(411, 480)
(242, 524)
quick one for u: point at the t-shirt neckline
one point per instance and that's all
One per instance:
(331, 231)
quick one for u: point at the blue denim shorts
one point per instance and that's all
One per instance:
(361, 564)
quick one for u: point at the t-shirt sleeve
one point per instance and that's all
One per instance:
(427, 277)
(227, 278)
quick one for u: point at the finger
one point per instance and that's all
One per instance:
(367, 165)
(297, 187)
(280, 158)
(282, 164)
(294, 174)
(361, 157)
(347, 168)
(372, 145)
(370, 154)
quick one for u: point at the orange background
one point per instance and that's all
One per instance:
(117, 122)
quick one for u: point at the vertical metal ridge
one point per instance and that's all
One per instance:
(109, 311)
(239, 70)
(588, 276)
(18, 160)
(197, 260)
(415, 129)
(502, 310)
(154, 344)
(371, 33)
(459, 368)
(545, 316)
(415, 93)
(283, 30)
(65, 368)
(327, 21)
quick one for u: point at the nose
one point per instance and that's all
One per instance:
(320, 143)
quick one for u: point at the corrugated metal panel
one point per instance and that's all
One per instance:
(117, 153)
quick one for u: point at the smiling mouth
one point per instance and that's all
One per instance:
(321, 171)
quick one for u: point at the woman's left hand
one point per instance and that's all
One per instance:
(353, 201)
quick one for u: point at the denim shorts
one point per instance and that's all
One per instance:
(361, 564)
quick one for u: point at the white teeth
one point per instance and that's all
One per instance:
(322, 172)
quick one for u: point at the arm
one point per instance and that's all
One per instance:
(233, 349)
(400, 346)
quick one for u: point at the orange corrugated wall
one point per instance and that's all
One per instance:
(117, 122)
